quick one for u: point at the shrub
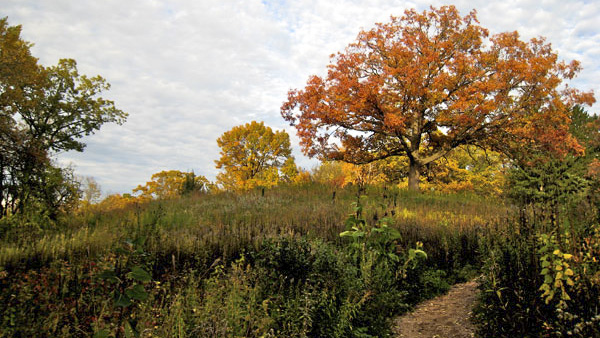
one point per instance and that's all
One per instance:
(541, 285)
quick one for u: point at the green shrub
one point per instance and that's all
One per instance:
(540, 286)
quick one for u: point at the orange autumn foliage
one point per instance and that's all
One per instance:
(426, 83)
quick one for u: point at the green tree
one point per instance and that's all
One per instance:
(251, 155)
(550, 182)
(43, 110)
(194, 184)
(67, 107)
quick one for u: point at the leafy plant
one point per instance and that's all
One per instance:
(380, 239)
(127, 278)
(382, 269)
(555, 269)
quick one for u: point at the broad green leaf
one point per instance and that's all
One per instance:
(122, 300)
(139, 274)
(358, 234)
(346, 233)
(104, 333)
(139, 241)
(137, 292)
(121, 251)
(130, 331)
(350, 221)
(418, 252)
(109, 275)
(394, 234)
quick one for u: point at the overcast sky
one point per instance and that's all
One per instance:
(186, 71)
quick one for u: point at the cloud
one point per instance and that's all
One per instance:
(187, 71)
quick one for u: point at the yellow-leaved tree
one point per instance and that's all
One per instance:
(468, 168)
(171, 183)
(340, 174)
(254, 155)
(116, 202)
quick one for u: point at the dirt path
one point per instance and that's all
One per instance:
(446, 316)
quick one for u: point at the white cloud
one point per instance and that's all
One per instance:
(187, 71)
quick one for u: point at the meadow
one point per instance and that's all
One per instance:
(449, 155)
(260, 263)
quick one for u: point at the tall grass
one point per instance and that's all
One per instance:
(255, 264)
(220, 225)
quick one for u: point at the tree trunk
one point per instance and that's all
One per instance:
(414, 174)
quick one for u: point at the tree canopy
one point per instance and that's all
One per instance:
(251, 155)
(43, 110)
(426, 83)
(172, 183)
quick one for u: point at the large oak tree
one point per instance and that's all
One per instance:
(426, 83)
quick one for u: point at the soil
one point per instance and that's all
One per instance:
(447, 316)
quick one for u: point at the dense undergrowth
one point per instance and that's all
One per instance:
(260, 264)
(541, 272)
(541, 277)
(299, 261)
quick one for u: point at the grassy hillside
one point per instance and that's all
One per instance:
(223, 224)
(262, 263)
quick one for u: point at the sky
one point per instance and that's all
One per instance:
(186, 71)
